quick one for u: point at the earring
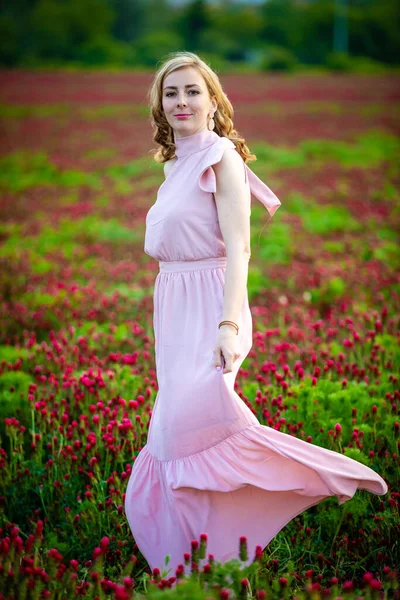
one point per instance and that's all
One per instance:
(211, 123)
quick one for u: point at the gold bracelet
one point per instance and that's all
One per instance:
(230, 323)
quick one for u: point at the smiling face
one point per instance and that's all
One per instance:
(185, 93)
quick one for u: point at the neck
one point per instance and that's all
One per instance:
(194, 142)
(182, 137)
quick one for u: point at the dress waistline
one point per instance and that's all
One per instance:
(215, 262)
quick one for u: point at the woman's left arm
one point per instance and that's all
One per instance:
(233, 200)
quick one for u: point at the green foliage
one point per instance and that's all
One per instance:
(344, 62)
(37, 299)
(324, 219)
(11, 353)
(334, 246)
(356, 454)
(296, 203)
(155, 44)
(131, 169)
(338, 61)
(276, 245)
(9, 34)
(64, 29)
(63, 240)
(103, 50)
(390, 346)
(389, 192)
(194, 17)
(275, 157)
(387, 234)
(278, 59)
(88, 113)
(128, 291)
(14, 386)
(216, 62)
(388, 252)
(370, 149)
(120, 32)
(13, 111)
(18, 379)
(89, 327)
(329, 292)
(101, 230)
(256, 281)
(23, 169)
(327, 404)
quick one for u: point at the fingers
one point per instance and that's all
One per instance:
(224, 360)
(229, 363)
(218, 360)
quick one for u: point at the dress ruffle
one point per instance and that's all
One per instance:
(207, 179)
(260, 477)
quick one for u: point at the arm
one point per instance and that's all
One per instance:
(233, 206)
(233, 200)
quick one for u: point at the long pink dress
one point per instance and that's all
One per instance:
(208, 464)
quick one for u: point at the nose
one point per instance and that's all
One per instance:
(181, 101)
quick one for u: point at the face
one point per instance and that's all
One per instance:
(185, 93)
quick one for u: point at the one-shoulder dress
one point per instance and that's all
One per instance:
(209, 466)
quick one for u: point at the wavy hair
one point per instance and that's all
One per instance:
(223, 117)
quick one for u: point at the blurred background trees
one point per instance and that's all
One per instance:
(274, 34)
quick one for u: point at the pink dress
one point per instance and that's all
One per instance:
(208, 464)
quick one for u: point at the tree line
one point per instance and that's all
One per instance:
(280, 34)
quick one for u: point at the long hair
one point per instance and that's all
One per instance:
(223, 117)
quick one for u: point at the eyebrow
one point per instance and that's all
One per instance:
(173, 87)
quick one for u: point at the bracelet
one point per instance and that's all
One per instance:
(230, 323)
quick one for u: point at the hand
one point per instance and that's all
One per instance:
(226, 349)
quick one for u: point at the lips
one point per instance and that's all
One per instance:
(183, 115)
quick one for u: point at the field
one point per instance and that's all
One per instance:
(77, 370)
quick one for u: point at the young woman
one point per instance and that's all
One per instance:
(208, 464)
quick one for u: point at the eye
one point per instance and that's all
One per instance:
(168, 94)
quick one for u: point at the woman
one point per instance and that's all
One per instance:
(208, 464)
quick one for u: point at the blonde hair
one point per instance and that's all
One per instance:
(163, 132)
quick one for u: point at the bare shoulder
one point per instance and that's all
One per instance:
(230, 170)
(230, 162)
(168, 165)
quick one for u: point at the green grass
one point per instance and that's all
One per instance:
(129, 291)
(368, 150)
(67, 237)
(329, 292)
(273, 242)
(11, 353)
(12, 111)
(334, 247)
(23, 169)
(321, 219)
(327, 218)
